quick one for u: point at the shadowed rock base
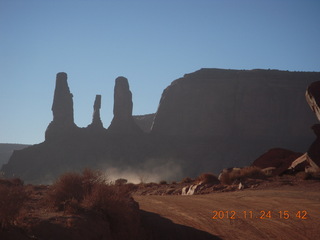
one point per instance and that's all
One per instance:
(159, 228)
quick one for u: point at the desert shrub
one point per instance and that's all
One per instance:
(208, 178)
(117, 206)
(121, 181)
(129, 187)
(12, 198)
(90, 178)
(67, 188)
(163, 182)
(225, 179)
(187, 180)
(89, 192)
(303, 175)
(71, 188)
(242, 174)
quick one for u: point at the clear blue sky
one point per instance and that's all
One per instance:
(150, 42)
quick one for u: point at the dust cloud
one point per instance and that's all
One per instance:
(149, 172)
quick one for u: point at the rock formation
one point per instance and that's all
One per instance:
(62, 109)
(277, 158)
(96, 124)
(144, 121)
(206, 121)
(243, 112)
(313, 99)
(122, 122)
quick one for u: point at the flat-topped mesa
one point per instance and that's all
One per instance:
(96, 120)
(62, 108)
(122, 122)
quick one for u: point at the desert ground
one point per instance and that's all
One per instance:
(284, 207)
(284, 212)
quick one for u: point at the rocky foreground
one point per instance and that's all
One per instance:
(165, 213)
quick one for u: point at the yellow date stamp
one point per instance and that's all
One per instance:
(262, 214)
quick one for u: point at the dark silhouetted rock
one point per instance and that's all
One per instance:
(96, 124)
(278, 158)
(62, 109)
(6, 150)
(122, 122)
(243, 112)
(144, 121)
(313, 99)
(206, 121)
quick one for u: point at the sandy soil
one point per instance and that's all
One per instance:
(196, 212)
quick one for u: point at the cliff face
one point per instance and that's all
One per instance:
(215, 102)
(235, 105)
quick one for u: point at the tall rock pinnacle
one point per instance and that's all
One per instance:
(96, 120)
(62, 108)
(122, 122)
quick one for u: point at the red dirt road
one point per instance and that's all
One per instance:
(257, 222)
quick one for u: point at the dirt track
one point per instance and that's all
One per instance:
(196, 212)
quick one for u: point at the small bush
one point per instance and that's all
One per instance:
(208, 178)
(91, 178)
(163, 182)
(67, 188)
(116, 204)
(242, 174)
(121, 181)
(187, 180)
(12, 197)
(72, 188)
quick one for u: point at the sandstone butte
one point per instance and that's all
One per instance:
(206, 121)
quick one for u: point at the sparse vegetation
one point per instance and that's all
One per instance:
(242, 174)
(187, 180)
(303, 175)
(120, 181)
(74, 192)
(12, 197)
(163, 182)
(208, 178)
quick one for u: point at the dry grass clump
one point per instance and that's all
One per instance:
(12, 197)
(120, 181)
(71, 188)
(117, 206)
(88, 192)
(208, 178)
(303, 175)
(242, 174)
(308, 175)
(187, 180)
(163, 182)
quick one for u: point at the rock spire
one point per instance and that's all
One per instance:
(122, 122)
(62, 108)
(96, 120)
